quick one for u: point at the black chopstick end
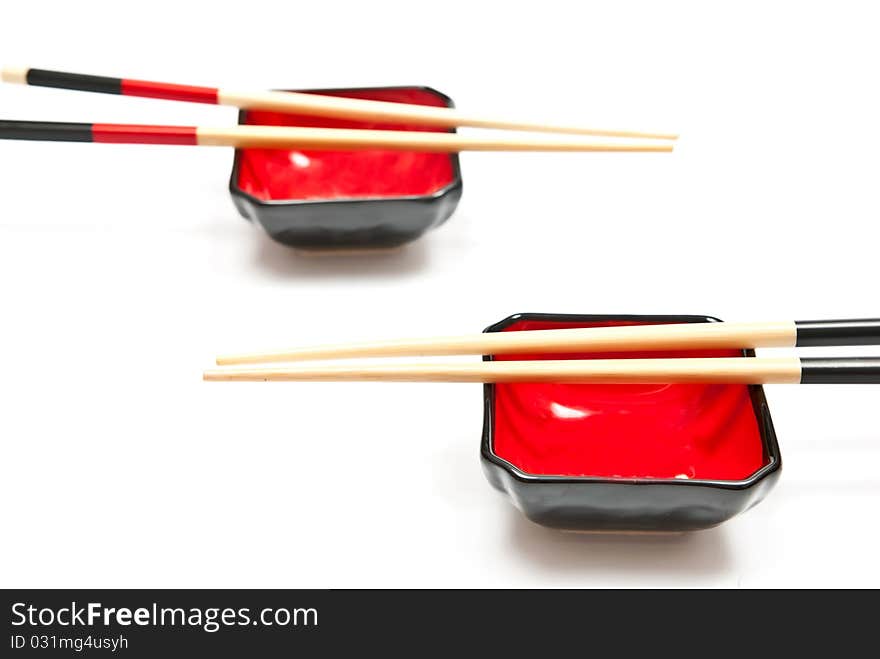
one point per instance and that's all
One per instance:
(75, 81)
(53, 131)
(859, 332)
(840, 370)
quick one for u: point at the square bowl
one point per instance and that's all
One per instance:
(341, 200)
(627, 458)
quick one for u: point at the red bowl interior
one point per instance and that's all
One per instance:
(686, 431)
(293, 174)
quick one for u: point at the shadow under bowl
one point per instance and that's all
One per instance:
(342, 200)
(627, 458)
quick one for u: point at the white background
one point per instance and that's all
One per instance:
(125, 269)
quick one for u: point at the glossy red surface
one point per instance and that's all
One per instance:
(306, 174)
(139, 134)
(688, 431)
(169, 91)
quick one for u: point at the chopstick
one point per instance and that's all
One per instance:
(721, 370)
(313, 104)
(686, 336)
(285, 137)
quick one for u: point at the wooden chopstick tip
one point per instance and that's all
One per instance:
(237, 375)
(671, 137)
(632, 134)
(257, 375)
(635, 147)
(237, 360)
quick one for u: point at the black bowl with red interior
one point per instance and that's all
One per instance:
(325, 200)
(625, 458)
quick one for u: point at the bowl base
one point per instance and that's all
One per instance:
(627, 533)
(347, 251)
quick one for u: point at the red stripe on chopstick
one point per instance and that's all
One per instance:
(169, 91)
(128, 134)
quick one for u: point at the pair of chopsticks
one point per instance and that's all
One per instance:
(687, 336)
(283, 137)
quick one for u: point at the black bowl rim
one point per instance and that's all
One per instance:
(455, 184)
(759, 402)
